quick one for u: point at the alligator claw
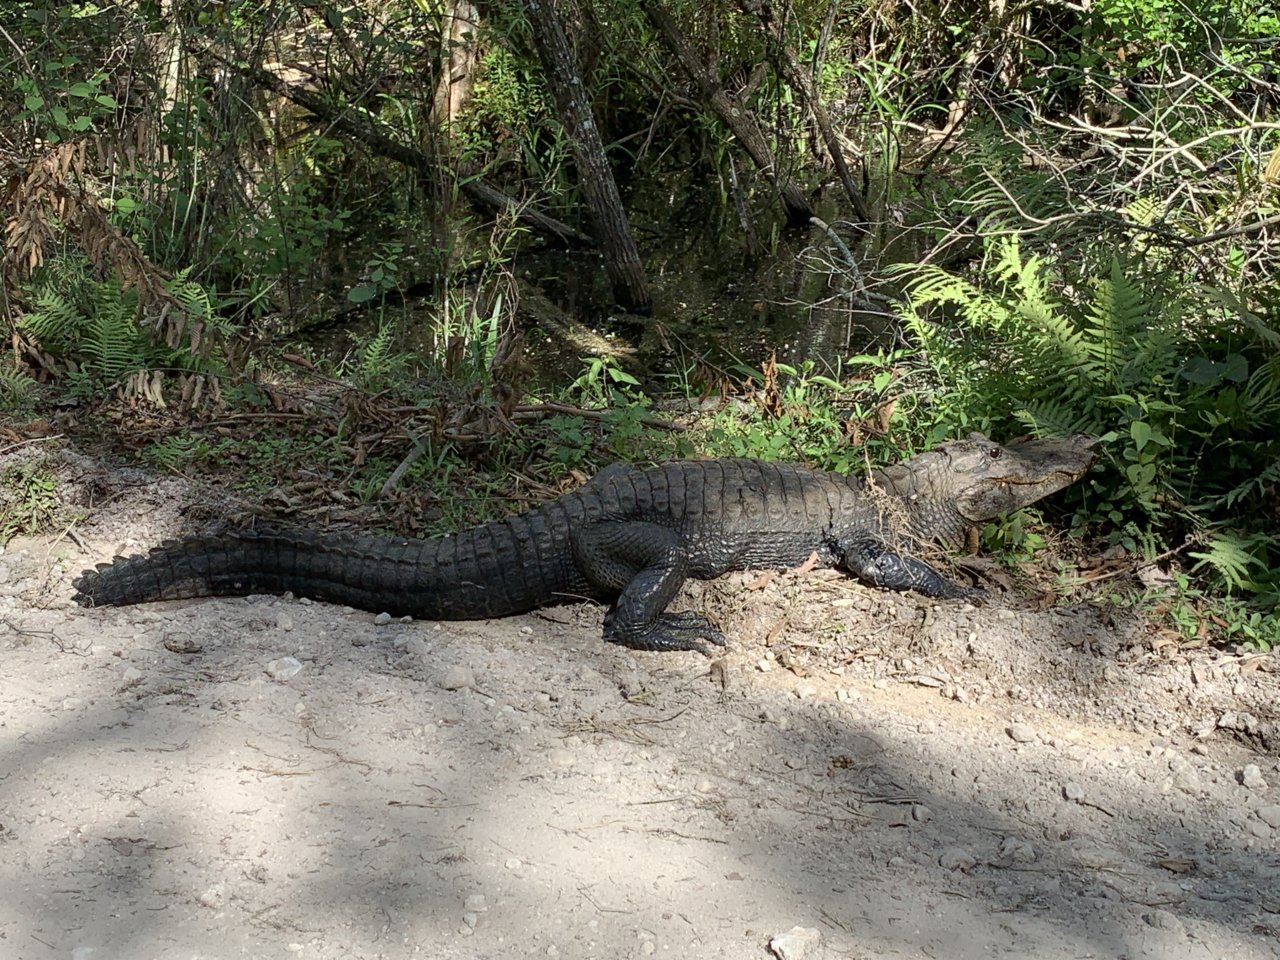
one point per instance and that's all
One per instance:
(670, 631)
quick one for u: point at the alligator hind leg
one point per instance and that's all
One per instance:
(645, 563)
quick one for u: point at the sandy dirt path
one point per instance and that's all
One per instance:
(268, 777)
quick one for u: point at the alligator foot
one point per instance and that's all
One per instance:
(875, 564)
(670, 631)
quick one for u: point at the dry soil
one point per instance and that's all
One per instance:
(269, 777)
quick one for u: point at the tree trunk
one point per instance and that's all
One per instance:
(621, 258)
(735, 114)
(805, 88)
(457, 74)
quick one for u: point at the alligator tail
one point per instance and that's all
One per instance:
(492, 570)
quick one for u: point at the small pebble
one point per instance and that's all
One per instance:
(182, 643)
(1185, 777)
(796, 943)
(1017, 850)
(476, 903)
(804, 691)
(283, 668)
(213, 896)
(920, 813)
(1020, 732)
(1270, 815)
(1164, 920)
(1251, 777)
(382, 619)
(1073, 791)
(957, 858)
(458, 677)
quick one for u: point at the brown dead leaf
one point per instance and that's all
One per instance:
(809, 565)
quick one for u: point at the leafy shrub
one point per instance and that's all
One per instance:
(1185, 396)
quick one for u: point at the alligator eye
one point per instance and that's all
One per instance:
(994, 452)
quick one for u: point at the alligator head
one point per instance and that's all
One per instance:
(965, 482)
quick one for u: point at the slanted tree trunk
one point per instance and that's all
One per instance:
(609, 219)
(806, 89)
(736, 116)
(369, 131)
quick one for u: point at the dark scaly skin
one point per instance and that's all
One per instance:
(632, 536)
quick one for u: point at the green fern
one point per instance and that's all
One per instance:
(375, 356)
(1187, 396)
(113, 342)
(1237, 559)
(55, 322)
(17, 389)
(97, 327)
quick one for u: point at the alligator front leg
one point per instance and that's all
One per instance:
(646, 564)
(874, 563)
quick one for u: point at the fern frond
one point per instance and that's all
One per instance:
(1117, 313)
(1143, 210)
(1046, 418)
(193, 297)
(1260, 397)
(1233, 557)
(112, 340)
(16, 388)
(55, 323)
(375, 355)
(1258, 484)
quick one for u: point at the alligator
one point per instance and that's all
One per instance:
(631, 535)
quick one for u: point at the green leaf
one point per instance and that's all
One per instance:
(1140, 474)
(106, 100)
(1140, 432)
(621, 376)
(33, 101)
(81, 89)
(362, 293)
